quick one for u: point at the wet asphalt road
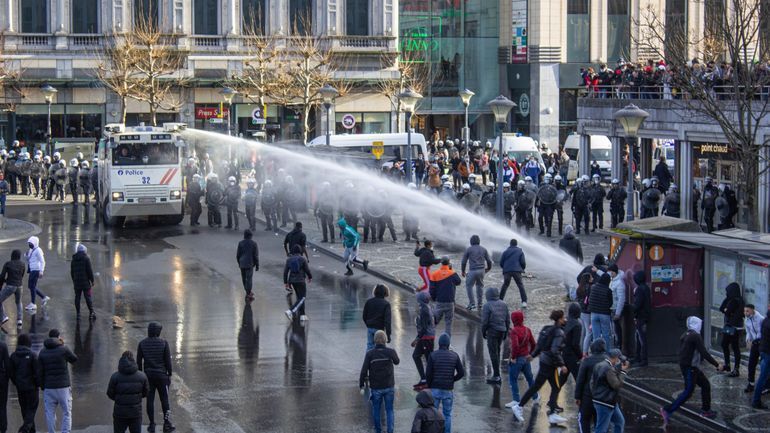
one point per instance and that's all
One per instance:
(243, 367)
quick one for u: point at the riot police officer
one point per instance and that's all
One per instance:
(545, 203)
(95, 180)
(215, 196)
(561, 197)
(617, 197)
(59, 176)
(488, 200)
(581, 197)
(269, 205)
(410, 224)
(232, 197)
(523, 207)
(194, 194)
(84, 178)
(324, 210)
(349, 205)
(509, 200)
(708, 203)
(250, 198)
(35, 173)
(287, 198)
(650, 199)
(12, 172)
(372, 212)
(597, 203)
(468, 199)
(72, 177)
(671, 202)
(386, 219)
(25, 171)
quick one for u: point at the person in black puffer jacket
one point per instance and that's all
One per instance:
(642, 313)
(12, 280)
(55, 379)
(22, 371)
(444, 369)
(571, 245)
(583, 397)
(128, 386)
(377, 314)
(732, 308)
(4, 376)
(377, 371)
(82, 280)
(600, 305)
(573, 339)
(153, 356)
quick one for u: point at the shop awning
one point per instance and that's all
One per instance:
(714, 241)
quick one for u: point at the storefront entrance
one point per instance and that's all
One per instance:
(719, 162)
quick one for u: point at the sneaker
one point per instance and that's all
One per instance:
(518, 413)
(366, 265)
(45, 301)
(494, 380)
(303, 318)
(289, 314)
(536, 399)
(471, 306)
(19, 323)
(31, 306)
(555, 419)
(734, 373)
(511, 404)
(523, 305)
(5, 319)
(710, 414)
(557, 409)
(749, 388)
(92, 316)
(665, 415)
(348, 273)
(151, 428)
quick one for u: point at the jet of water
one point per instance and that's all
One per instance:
(448, 222)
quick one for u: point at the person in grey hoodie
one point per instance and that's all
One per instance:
(55, 380)
(495, 323)
(427, 419)
(476, 260)
(426, 334)
(618, 287)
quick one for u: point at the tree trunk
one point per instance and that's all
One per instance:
(123, 109)
(750, 168)
(305, 123)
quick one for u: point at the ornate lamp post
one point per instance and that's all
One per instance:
(465, 96)
(49, 92)
(409, 99)
(228, 93)
(328, 93)
(630, 118)
(500, 107)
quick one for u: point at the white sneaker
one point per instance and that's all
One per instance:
(31, 306)
(18, 323)
(555, 418)
(523, 305)
(536, 399)
(303, 318)
(518, 413)
(45, 300)
(512, 404)
(289, 314)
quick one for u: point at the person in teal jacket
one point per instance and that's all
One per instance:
(350, 241)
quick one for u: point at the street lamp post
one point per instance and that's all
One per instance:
(409, 99)
(49, 92)
(630, 118)
(328, 93)
(500, 107)
(228, 93)
(465, 96)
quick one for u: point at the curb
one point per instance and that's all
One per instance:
(32, 231)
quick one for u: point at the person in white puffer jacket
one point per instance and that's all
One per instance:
(36, 265)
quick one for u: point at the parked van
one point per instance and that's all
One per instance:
(601, 152)
(394, 144)
(521, 148)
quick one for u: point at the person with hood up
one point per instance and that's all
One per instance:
(11, 281)
(571, 245)
(296, 237)
(642, 308)
(618, 287)
(444, 369)
(522, 345)
(247, 256)
(296, 277)
(54, 378)
(36, 266)
(513, 263)
(582, 295)
(426, 334)
(4, 376)
(692, 352)
(153, 356)
(427, 259)
(600, 307)
(427, 419)
(732, 308)
(583, 395)
(350, 240)
(606, 380)
(443, 287)
(377, 315)
(764, 366)
(377, 371)
(127, 387)
(495, 323)
(22, 370)
(549, 346)
(476, 259)
(573, 339)
(82, 280)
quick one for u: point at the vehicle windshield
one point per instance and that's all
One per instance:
(145, 154)
(670, 153)
(522, 155)
(600, 155)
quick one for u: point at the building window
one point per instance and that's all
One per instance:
(254, 17)
(578, 31)
(764, 30)
(676, 31)
(206, 17)
(357, 15)
(618, 31)
(146, 11)
(301, 17)
(34, 16)
(85, 16)
(714, 29)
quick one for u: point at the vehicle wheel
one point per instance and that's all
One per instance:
(109, 220)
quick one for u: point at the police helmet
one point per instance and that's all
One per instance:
(231, 179)
(74, 162)
(56, 156)
(80, 155)
(268, 183)
(708, 180)
(196, 176)
(213, 176)
(38, 152)
(654, 181)
(520, 183)
(506, 185)
(289, 180)
(547, 178)
(251, 182)
(84, 164)
(584, 178)
(646, 182)
(489, 144)
(325, 185)
(557, 178)
(528, 179)
(47, 159)
(12, 153)
(615, 182)
(445, 177)
(16, 143)
(37, 158)
(471, 176)
(96, 159)
(722, 187)
(447, 185)
(673, 187)
(491, 184)
(191, 161)
(466, 187)
(411, 185)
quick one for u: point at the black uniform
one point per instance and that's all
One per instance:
(546, 204)
(524, 203)
(215, 196)
(36, 172)
(153, 356)
(597, 205)
(650, 201)
(287, 193)
(581, 197)
(269, 206)
(84, 178)
(232, 197)
(561, 196)
(23, 373)
(72, 177)
(708, 205)
(671, 205)
(509, 200)
(250, 205)
(731, 202)
(194, 194)
(617, 197)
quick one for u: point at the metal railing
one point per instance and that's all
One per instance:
(668, 92)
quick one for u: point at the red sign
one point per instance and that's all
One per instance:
(206, 113)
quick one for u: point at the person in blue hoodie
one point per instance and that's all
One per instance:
(426, 334)
(513, 263)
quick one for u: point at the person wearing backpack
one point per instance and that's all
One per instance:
(583, 396)
(550, 342)
(573, 338)
(22, 370)
(495, 323)
(377, 371)
(296, 277)
(11, 281)
(522, 345)
(247, 256)
(427, 419)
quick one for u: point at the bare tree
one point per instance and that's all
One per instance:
(732, 95)
(412, 73)
(9, 76)
(117, 69)
(259, 77)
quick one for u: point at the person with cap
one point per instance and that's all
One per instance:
(642, 308)
(606, 381)
(377, 372)
(764, 366)
(444, 369)
(82, 275)
(476, 260)
(513, 263)
(377, 315)
(153, 357)
(427, 419)
(617, 198)
(11, 281)
(23, 370)
(194, 194)
(495, 323)
(443, 287)
(54, 379)
(247, 256)
(36, 266)
(296, 237)
(583, 395)
(296, 277)
(600, 307)
(692, 352)
(127, 388)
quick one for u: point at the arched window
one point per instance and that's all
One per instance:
(34, 16)
(357, 17)
(206, 17)
(301, 17)
(146, 11)
(254, 16)
(578, 31)
(85, 16)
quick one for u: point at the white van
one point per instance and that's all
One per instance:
(394, 144)
(601, 152)
(521, 148)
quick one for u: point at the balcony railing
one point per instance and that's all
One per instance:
(668, 92)
(40, 40)
(206, 41)
(86, 40)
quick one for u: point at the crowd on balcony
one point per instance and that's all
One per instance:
(657, 80)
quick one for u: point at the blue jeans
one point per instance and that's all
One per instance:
(370, 338)
(601, 325)
(377, 396)
(764, 374)
(514, 368)
(445, 398)
(32, 284)
(2, 204)
(604, 415)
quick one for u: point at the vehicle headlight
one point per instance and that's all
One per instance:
(175, 194)
(117, 196)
